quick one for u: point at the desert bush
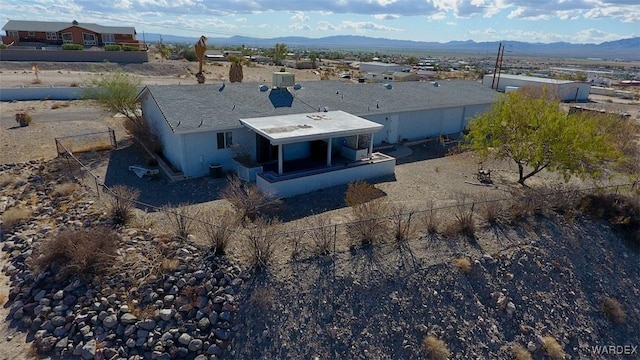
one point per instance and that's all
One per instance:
(181, 219)
(436, 349)
(295, 236)
(369, 225)
(552, 348)
(462, 221)
(613, 310)
(401, 222)
(360, 192)
(74, 84)
(112, 48)
(6, 180)
(15, 216)
(322, 234)
(431, 220)
(262, 241)
(77, 252)
(463, 264)
(246, 199)
(490, 210)
(130, 48)
(3, 298)
(190, 54)
(36, 81)
(65, 189)
(72, 47)
(3, 46)
(219, 228)
(148, 260)
(520, 353)
(121, 203)
(23, 119)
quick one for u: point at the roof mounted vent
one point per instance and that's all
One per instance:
(263, 87)
(283, 80)
(388, 86)
(297, 87)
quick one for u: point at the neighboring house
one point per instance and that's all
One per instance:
(39, 33)
(566, 90)
(301, 137)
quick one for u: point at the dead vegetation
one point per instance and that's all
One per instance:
(613, 310)
(436, 349)
(521, 353)
(370, 225)
(121, 203)
(553, 348)
(181, 219)
(15, 216)
(261, 242)
(463, 264)
(81, 252)
(246, 199)
(218, 227)
(65, 189)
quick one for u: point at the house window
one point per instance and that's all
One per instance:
(89, 39)
(108, 39)
(12, 33)
(31, 33)
(225, 140)
(52, 35)
(67, 38)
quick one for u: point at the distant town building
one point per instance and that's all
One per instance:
(566, 90)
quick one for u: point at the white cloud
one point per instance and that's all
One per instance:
(386, 16)
(363, 26)
(299, 16)
(326, 26)
(241, 20)
(298, 26)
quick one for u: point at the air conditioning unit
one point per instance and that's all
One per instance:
(283, 79)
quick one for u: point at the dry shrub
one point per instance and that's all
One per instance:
(6, 180)
(295, 235)
(146, 261)
(3, 298)
(169, 264)
(361, 192)
(370, 225)
(491, 210)
(219, 226)
(121, 203)
(262, 298)
(621, 211)
(36, 81)
(553, 348)
(463, 264)
(322, 234)
(143, 132)
(431, 220)
(436, 348)
(15, 216)
(60, 105)
(136, 310)
(613, 310)
(180, 219)
(463, 222)
(401, 223)
(65, 189)
(246, 199)
(77, 252)
(262, 241)
(520, 353)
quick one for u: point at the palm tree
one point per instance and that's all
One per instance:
(279, 53)
(235, 73)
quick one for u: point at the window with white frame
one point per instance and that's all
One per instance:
(12, 34)
(108, 39)
(225, 140)
(52, 35)
(67, 38)
(89, 39)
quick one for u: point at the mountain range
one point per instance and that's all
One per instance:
(624, 49)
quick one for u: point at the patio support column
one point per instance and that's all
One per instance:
(329, 152)
(371, 145)
(279, 159)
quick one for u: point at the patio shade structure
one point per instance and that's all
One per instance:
(297, 128)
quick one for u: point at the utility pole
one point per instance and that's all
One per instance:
(500, 67)
(495, 68)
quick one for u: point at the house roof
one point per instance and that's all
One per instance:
(200, 106)
(536, 79)
(310, 126)
(51, 26)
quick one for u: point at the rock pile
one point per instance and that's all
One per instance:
(185, 312)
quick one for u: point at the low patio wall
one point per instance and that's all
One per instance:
(122, 57)
(300, 183)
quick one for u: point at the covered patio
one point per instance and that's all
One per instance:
(315, 150)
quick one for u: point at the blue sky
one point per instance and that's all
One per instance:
(576, 21)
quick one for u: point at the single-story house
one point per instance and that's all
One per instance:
(566, 90)
(378, 67)
(317, 132)
(23, 32)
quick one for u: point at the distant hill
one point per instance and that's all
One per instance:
(625, 49)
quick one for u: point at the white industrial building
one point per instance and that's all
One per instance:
(380, 67)
(566, 90)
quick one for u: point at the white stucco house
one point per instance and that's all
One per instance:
(566, 90)
(295, 138)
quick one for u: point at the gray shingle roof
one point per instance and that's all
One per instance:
(186, 106)
(55, 26)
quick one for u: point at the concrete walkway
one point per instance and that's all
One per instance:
(399, 151)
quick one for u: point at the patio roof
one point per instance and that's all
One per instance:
(288, 129)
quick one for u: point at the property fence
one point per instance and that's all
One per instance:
(320, 237)
(94, 141)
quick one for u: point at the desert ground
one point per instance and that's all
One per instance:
(544, 275)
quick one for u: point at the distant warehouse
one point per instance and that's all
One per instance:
(566, 90)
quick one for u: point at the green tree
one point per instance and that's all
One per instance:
(537, 134)
(117, 92)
